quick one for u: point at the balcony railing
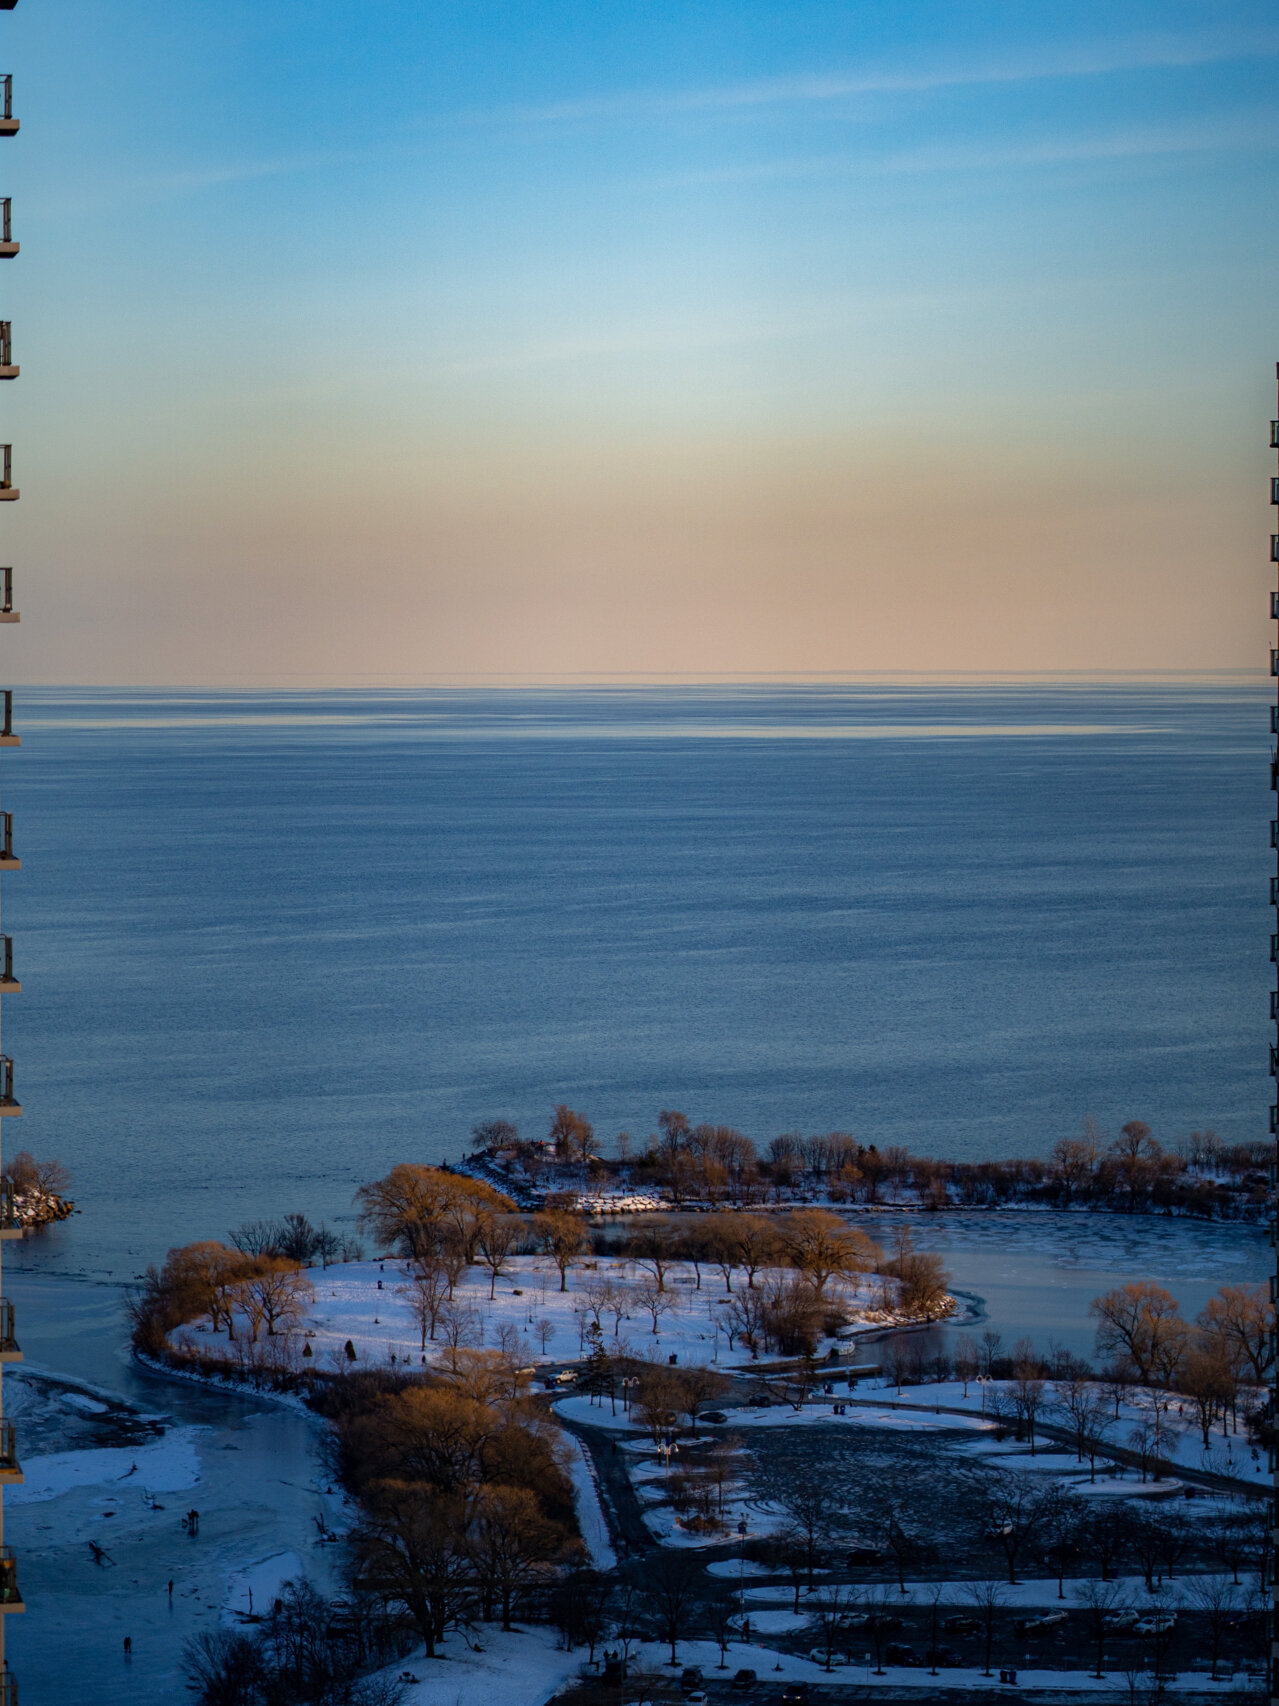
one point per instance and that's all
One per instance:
(8, 1207)
(9, 1594)
(9, 1464)
(6, 714)
(6, 961)
(6, 343)
(6, 592)
(1274, 606)
(1274, 435)
(7, 1341)
(7, 1097)
(1274, 547)
(6, 219)
(8, 1688)
(7, 856)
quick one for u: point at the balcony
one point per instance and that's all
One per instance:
(8, 124)
(10, 1468)
(9, 1351)
(9, 1224)
(1274, 435)
(9, 984)
(7, 736)
(8, 1688)
(9, 493)
(7, 612)
(7, 369)
(1274, 1061)
(8, 248)
(9, 1103)
(10, 1596)
(1274, 606)
(1274, 547)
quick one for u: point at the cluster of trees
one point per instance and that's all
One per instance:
(305, 1652)
(230, 1288)
(39, 1188)
(718, 1164)
(1231, 1345)
(466, 1510)
(294, 1238)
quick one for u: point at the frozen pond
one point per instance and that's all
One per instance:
(250, 1468)
(1036, 1272)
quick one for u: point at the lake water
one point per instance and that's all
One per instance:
(272, 944)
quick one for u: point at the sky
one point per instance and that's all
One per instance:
(410, 340)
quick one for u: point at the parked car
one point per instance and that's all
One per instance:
(1118, 1621)
(1159, 1624)
(760, 1400)
(691, 1677)
(863, 1555)
(942, 1656)
(743, 1680)
(712, 1416)
(697, 1697)
(962, 1626)
(795, 1694)
(897, 1653)
(1040, 1625)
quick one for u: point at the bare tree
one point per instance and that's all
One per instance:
(563, 1236)
(427, 1296)
(830, 1608)
(498, 1237)
(807, 1502)
(653, 1301)
(1241, 1319)
(672, 1583)
(1013, 1511)
(1099, 1602)
(1139, 1322)
(987, 1600)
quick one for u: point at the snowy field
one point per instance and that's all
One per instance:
(540, 1321)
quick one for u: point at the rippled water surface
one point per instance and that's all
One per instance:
(270, 945)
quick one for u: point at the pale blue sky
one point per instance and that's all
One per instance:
(397, 340)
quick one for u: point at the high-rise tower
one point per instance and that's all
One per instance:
(1272, 1408)
(10, 1594)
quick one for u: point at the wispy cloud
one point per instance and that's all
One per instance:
(1254, 131)
(1146, 52)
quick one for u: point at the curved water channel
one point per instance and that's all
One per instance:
(254, 1469)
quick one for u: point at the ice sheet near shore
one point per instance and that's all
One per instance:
(166, 1465)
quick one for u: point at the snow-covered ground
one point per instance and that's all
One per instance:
(590, 1515)
(525, 1668)
(1228, 1454)
(547, 1324)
